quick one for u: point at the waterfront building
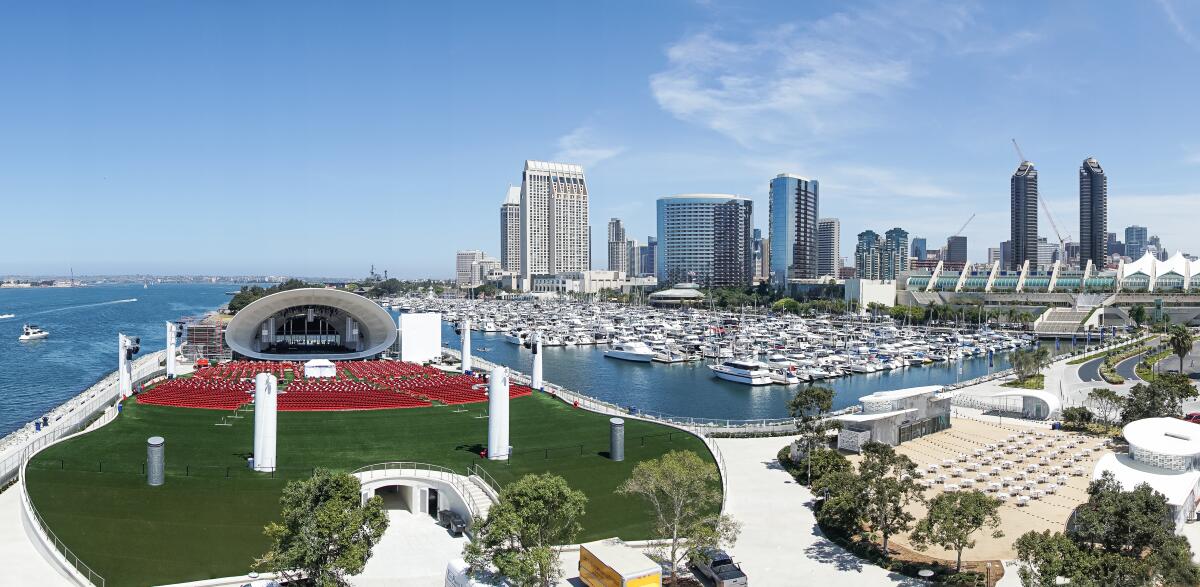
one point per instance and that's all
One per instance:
(464, 267)
(1164, 453)
(590, 282)
(485, 270)
(956, 250)
(868, 261)
(510, 230)
(894, 417)
(792, 228)
(829, 245)
(847, 272)
(1135, 241)
(705, 239)
(895, 253)
(919, 248)
(1093, 213)
(555, 230)
(1023, 219)
(311, 323)
(618, 247)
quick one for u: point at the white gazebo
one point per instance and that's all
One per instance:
(320, 369)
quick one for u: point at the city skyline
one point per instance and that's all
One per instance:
(269, 118)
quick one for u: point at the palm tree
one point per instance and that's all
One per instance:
(1181, 342)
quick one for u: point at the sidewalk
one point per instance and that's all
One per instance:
(23, 564)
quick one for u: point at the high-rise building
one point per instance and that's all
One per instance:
(618, 256)
(829, 245)
(1006, 254)
(758, 255)
(647, 254)
(555, 231)
(1159, 250)
(956, 249)
(464, 273)
(705, 239)
(895, 253)
(868, 261)
(919, 248)
(792, 228)
(633, 258)
(1115, 247)
(1135, 242)
(993, 255)
(1023, 219)
(1047, 253)
(1093, 213)
(510, 230)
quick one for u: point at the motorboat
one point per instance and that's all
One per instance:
(636, 351)
(746, 372)
(32, 332)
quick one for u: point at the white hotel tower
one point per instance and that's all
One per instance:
(555, 233)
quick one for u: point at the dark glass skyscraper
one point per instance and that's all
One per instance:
(792, 229)
(1023, 219)
(956, 249)
(1093, 214)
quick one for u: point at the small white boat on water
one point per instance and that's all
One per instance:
(746, 372)
(32, 332)
(7, 316)
(636, 351)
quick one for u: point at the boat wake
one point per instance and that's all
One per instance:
(81, 306)
(7, 316)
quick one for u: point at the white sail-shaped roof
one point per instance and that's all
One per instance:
(1146, 266)
(1177, 264)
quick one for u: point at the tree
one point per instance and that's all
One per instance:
(1028, 363)
(684, 494)
(889, 484)
(1180, 341)
(1138, 314)
(819, 463)
(811, 405)
(1162, 397)
(534, 514)
(325, 533)
(1105, 402)
(786, 305)
(953, 518)
(1077, 416)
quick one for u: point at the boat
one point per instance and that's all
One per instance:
(32, 332)
(636, 351)
(746, 372)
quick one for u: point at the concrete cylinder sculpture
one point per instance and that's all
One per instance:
(466, 345)
(155, 460)
(536, 381)
(497, 447)
(616, 439)
(265, 417)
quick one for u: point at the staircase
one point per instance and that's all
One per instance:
(1063, 321)
(481, 501)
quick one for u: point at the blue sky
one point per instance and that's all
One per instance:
(319, 138)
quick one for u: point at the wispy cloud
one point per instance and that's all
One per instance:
(814, 78)
(1177, 23)
(580, 146)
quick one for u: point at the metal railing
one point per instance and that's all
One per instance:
(51, 539)
(485, 477)
(457, 480)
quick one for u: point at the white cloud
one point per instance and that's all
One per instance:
(579, 146)
(789, 82)
(1177, 23)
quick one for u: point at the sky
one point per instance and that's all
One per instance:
(317, 139)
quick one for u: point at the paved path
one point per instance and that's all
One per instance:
(414, 551)
(780, 543)
(22, 564)
(1090, 371)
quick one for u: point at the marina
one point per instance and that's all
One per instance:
(691, 347)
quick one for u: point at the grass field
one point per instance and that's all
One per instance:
(207, 520)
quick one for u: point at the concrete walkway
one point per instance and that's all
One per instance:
(23, 564)
(414, 551)
(780, 543)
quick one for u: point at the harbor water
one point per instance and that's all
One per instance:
(83, 323)
(690, 389)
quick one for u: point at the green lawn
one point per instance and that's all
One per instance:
(207, 520)
(1034, 382)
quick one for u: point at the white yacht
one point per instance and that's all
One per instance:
(631, 351)
(32, 332)
(747, 372)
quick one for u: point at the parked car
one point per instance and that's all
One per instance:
(452, 522)
(719, 566)
(1193, 417)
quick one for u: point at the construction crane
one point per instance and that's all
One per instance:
(963, 227)
(1020, 155)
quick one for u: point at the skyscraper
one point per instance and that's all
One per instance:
(618, 248)
(956, 250)
(1093, 213)
(792, 228)
(464, 273)
(510, 230)
(919, 248)
(706, 239)
(633, 258)
(895, 253)
(1023, 222)
(868, 261)
(648, 254)
(1115, 247)
(758, 255)
(1135, 242)
(829, 245)
(555, 234)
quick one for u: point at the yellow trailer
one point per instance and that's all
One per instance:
(610, 563)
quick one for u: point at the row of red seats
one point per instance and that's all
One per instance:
(217, 394)
(367, 369)
(376, 400)
(246, 369)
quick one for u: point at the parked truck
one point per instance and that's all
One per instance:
(719, 566)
